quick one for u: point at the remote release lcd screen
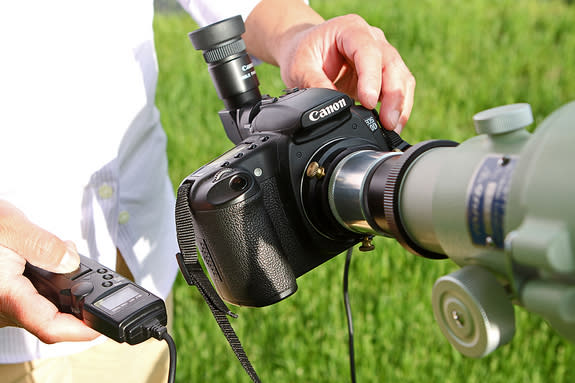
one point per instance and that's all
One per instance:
(120, 298)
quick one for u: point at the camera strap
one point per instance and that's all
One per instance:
(195, 276)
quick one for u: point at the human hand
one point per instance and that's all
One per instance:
(347, 54)
(20, 304)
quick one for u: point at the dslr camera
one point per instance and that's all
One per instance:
(265, 212)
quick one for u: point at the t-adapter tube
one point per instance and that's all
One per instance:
(348, 190)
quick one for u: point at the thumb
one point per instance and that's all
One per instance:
(305, 75)
(317, 79)
(38, 246)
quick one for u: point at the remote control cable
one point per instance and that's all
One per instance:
(349, 314)
(160, 332)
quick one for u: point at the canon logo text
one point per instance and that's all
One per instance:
(330, 109)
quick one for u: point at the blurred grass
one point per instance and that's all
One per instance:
(466, 56)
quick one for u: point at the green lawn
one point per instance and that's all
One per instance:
(466, 56)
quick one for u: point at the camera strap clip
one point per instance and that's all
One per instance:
(195, 276)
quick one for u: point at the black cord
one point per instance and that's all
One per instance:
(173, 357)
(161, 333)
(348, 314)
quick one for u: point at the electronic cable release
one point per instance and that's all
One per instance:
(107, 302)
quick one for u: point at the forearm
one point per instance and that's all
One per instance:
(271, 21)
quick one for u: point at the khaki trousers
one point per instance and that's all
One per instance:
(147, 362)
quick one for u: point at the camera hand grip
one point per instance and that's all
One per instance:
(241, 249)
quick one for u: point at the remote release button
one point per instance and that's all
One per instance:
(102, 271)
(82, 289)
(79, 291)
(107, 284)
(108, 276)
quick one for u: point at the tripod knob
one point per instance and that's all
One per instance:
(473, 311)
(503, 119)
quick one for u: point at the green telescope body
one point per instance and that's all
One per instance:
(500, 205)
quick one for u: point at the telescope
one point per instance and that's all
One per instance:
(312, 174)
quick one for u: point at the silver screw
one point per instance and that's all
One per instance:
(457, 318)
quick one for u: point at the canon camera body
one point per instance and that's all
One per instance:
(260, 211)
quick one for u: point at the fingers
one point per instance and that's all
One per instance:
(308, 77)
(36, 245)
(347, 54)
(357, 43)
(304, 65)
(398, 87)
(381, 74)
(40, 317)
(22, 306)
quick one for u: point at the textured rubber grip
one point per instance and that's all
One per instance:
(250, 268)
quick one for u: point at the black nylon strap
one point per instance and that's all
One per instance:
(195, 276)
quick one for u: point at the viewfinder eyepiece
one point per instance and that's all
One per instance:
(230, 66)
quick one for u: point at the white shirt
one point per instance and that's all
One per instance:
(82, 151)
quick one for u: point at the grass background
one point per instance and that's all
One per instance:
(466, 56)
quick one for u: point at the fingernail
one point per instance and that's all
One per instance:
(394, 118)
(372, 98)
(398, 128)
(70, 261)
